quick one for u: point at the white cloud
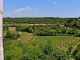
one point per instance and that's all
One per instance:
(19, 10)
(22, 9)
(28, 8)
(36, 13)
(55, 2)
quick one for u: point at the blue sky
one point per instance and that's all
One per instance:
(41, 8)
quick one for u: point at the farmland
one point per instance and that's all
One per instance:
(15, 45)
(55, 40)
(19, 46)
(41, 38)
(25, 37)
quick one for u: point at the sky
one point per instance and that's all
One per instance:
(41, 8)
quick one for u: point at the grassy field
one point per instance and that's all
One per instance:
(55, 40)
(14, 32)
(25, 36)
(15, 48)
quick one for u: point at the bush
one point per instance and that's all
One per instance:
(77, 57)
(12, 35)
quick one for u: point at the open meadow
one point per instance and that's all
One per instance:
(55, 40)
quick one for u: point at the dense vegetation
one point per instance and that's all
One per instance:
(49, 30)
(60, 40)
(73, 24)
(40, 20)
(12, 35)
(16, 50)
(20, 51)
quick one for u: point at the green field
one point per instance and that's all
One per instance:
(14, 32)
(45, 38)
(14, 48)
(25, 36)
(55, 40)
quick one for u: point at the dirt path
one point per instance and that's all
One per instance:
(19, 37)
(19, 32)
(34, 38)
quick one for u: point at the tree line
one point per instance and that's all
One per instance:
(49, 30)
(38, 20)
(46, 30)
(73, 24)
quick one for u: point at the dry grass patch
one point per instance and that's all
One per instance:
(12, 28)
(26, 37)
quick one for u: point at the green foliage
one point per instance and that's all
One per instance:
(11, 50)
(5, 28)
(73, 32)
(76, 51)
(77, 56)
(69, 49)
(41, 49)
(73, 23)
(21, 28)
(48, 49)
(60, 55)
(48, 30)
(8, 35)
(77, 34)
(30, 29)
(42, 20)
(8, 58)
(12, 35)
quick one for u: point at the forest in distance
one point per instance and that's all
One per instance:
(41, 38)
(41, 20)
